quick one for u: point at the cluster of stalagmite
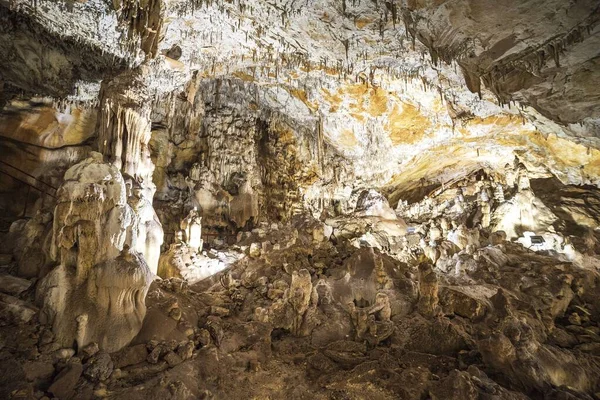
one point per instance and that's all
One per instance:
(456, 223)
(192, 229)
(124, 131)
(106, 236)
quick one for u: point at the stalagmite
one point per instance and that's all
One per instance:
(97, 291)
(499, 194)
(428, 290)
(485, 205)
(147, 232)
(300, 294)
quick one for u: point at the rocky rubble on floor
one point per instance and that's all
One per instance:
(309, 311)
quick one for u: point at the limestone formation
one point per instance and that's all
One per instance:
(97, 291)
(428, 290)
(92, 216)
(300, 297)
(371, 203)
(191, 226)
(184, 261)
(146, 232)
(485, 208)
(499, 193)
(195, 199)
(373, 323)
(523, 212)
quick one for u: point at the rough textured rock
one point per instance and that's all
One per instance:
(502, 59)
(99, 367)
(12, 285)
(371, 203)
(63, 386)
(97, 292)
(341, 199)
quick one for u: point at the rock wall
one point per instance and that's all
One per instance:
(230, 163)
(236, 164)
(361, 115)
(39, 140)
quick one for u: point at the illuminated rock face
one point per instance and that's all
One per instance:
(503, 63)
(371, 203)
(192, 228)
(147, 233)
(524, 212)
(92, 213)
(97, 291)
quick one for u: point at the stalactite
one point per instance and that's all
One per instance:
(123, 136)
(320, 151)
(346, 43)
(145, 20)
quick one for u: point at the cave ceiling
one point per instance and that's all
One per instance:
(399, 89)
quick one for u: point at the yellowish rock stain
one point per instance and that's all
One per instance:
(302, 96)
(362, 22)
(407, 125)
(347, 139)
(41, 127)
(366, 101)
(243, 76)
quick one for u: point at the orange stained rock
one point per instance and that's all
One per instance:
(407, 125)
(302, 96)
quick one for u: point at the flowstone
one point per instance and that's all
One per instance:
(97, 291)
